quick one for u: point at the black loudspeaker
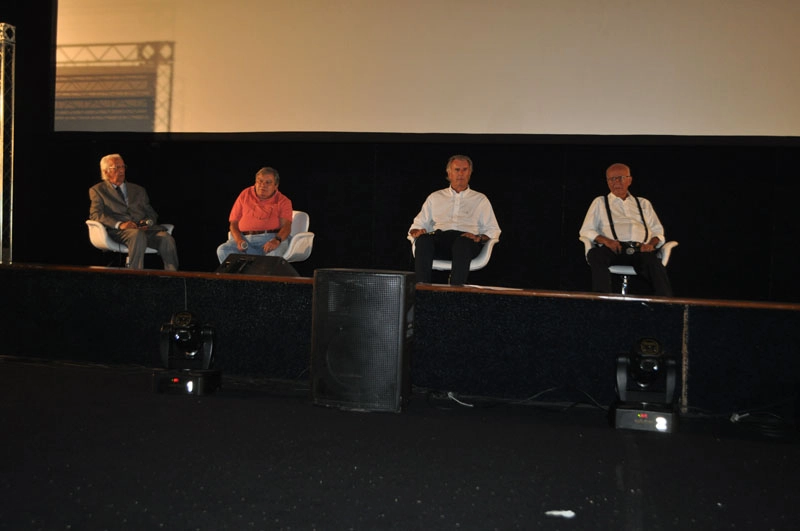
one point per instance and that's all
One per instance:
(362, 339)
(249, 264)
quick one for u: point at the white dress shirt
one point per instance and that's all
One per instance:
(627, 220)
(468, 211)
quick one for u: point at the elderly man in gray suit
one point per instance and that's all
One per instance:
(124, 208)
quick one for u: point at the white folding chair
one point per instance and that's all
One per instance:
(98, 235)
(301, 240)
(479, 262)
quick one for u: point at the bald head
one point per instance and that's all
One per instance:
(617, 168)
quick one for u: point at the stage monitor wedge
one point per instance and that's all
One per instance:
(250, 264)
(362, 338)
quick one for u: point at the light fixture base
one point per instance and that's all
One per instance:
(187, 382)
(644, 417)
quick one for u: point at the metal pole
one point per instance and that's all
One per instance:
(7, 43)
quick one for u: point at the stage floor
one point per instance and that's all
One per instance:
(88, 446)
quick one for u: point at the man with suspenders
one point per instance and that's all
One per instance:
(626, 230)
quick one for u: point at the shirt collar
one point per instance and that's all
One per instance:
(613, 197)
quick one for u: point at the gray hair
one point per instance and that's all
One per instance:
(105, 163)
(459, 157)
(266, 170)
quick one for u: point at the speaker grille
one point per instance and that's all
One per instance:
(362, 331)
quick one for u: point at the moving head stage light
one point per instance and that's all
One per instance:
(187, 353)
(646, 380)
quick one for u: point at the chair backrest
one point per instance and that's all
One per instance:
(665, 251)
(302, 240)
(300, 222)
(99, 236)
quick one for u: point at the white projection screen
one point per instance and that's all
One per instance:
(597, 67)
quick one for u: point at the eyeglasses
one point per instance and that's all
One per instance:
(120, 167)
(617, 178)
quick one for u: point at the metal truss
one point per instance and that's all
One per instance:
(115, 82)
(7, 60)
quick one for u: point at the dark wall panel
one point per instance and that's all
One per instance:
(743, 358)
(511, 345)
(519, 347)
(729, 206)
(262, 328)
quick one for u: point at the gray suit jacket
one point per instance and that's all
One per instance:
(108, 208)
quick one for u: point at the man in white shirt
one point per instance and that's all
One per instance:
(626, 230)
(453, 224)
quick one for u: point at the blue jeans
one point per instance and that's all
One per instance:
(255, 246)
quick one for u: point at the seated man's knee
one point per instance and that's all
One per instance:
(140, 237)
(649, 259)
(169, 243)
(462, 243)
(598, 256)
(424, 242)
(226, 249)
(463, 247)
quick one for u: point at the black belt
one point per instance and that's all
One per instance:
(251, 232)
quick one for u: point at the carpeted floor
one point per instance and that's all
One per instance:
(93, 447)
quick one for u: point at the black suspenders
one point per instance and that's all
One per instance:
(641, 213)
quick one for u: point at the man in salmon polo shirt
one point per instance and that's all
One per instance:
(260, 220)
